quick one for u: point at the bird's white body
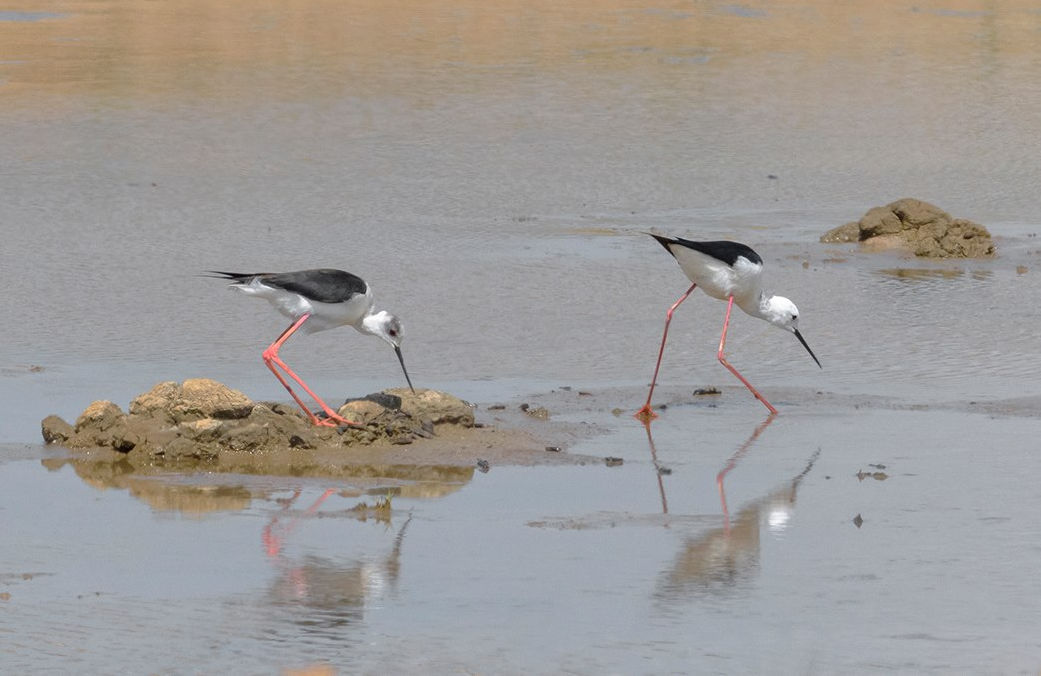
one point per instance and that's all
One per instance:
(351, 312)
(742, 280)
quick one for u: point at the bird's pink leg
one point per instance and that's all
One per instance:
(271, 358)
(724, 362)
(645, 413)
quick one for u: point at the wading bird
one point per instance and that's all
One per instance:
(731, 272)
(317, 300)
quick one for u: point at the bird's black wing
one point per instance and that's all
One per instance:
(723, 250)
(324, 285)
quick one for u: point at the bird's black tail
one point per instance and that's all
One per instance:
(664, 241)
(233, 276)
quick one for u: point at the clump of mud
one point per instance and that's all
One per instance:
(202, 419)
(918, 227)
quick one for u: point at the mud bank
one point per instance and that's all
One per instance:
(203, 423)
(917, 227)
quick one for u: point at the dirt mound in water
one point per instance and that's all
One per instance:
(916, 226)
(202, 419)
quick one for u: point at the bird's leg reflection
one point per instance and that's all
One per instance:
(721, 558)
(657, 466)
(324, 594)
(273, 538)
(732, 462)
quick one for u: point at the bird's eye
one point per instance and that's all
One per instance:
(393, 333)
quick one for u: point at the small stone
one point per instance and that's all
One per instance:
(384, 399)
(249, 437)
(203, 431)
(538, 412)
(850, 232)
(207, 398)
(363, 411)
(99, 416)
(194, 399)
(440, 408)
(158, 398)
(55, 430)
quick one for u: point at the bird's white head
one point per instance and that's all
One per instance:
(782, 313)
(386, 326)
(389, 328)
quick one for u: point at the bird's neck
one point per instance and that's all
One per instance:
(756, 305)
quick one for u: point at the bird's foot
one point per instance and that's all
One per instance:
(327, 419)
(645, 414)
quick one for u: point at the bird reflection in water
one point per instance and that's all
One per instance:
(323, 595)
(721, 558)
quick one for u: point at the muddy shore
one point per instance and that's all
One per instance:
(202, 425)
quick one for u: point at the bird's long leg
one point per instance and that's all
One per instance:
(645, 413)
(724, 362)
(271, 358)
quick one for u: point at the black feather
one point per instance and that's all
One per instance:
(324, 285)
(723, 250)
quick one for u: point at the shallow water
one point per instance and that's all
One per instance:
(585, 569)
(490, 170)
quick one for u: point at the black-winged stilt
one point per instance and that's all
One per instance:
(732, 272)
(318, 300)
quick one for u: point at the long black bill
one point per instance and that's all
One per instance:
(402, 360)
(797, 335)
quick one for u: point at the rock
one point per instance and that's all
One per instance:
(204, 430)
(248, 438)
(103, 424)
(209, 399)
(158, 398)
(100, 416)
(850, 232)
(439, 408)
(363, 411)
(202, 420)
(919, 227)
(540, 412)
(196, 398)
(55, 430)
(382, 398)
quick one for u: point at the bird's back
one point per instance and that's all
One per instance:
(720, 268)
(332, 297)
